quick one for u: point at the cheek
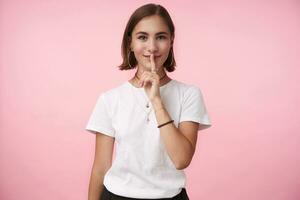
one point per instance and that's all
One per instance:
(137, 46)
(165, 50)
(138, 50)
(165, 47)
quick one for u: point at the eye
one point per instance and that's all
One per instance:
(162, 37)
(142, 37)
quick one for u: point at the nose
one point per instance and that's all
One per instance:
(152, 46)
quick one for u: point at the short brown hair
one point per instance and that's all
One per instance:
(129, 60)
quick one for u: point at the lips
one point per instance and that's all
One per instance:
(149, 56)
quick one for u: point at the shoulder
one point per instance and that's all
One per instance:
(113, 93)
(187, 89)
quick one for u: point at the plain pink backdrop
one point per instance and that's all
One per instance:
(58, 56)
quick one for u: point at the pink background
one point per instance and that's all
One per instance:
(58, 56)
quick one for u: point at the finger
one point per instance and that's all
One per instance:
(152, 63)
(146, 81)
(146, 78)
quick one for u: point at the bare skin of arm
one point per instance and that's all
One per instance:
(102, 162)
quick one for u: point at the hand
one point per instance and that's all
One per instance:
(150, 81)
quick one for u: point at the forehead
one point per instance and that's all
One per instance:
(151, 25)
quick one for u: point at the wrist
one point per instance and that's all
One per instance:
(157, 104)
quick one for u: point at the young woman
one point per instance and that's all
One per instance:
(153, 119)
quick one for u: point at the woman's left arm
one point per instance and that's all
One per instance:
(180, 142)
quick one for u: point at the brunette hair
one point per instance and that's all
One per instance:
(129, 60)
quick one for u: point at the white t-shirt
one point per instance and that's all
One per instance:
(142, 167)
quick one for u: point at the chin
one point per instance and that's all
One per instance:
(146, 66)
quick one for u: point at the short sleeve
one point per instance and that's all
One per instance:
(100, 120)
(194, 109)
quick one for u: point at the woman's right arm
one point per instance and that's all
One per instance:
(102, 162)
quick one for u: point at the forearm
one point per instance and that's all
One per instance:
(178, 147)
(95, 185)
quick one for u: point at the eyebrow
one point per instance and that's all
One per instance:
(159, 33)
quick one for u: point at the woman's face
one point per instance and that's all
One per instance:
(151, 35)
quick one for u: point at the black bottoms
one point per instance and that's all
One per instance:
(107, 195)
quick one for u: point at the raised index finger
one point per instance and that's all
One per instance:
(152, 63)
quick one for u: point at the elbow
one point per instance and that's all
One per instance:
(182, 165)
(185, 161)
